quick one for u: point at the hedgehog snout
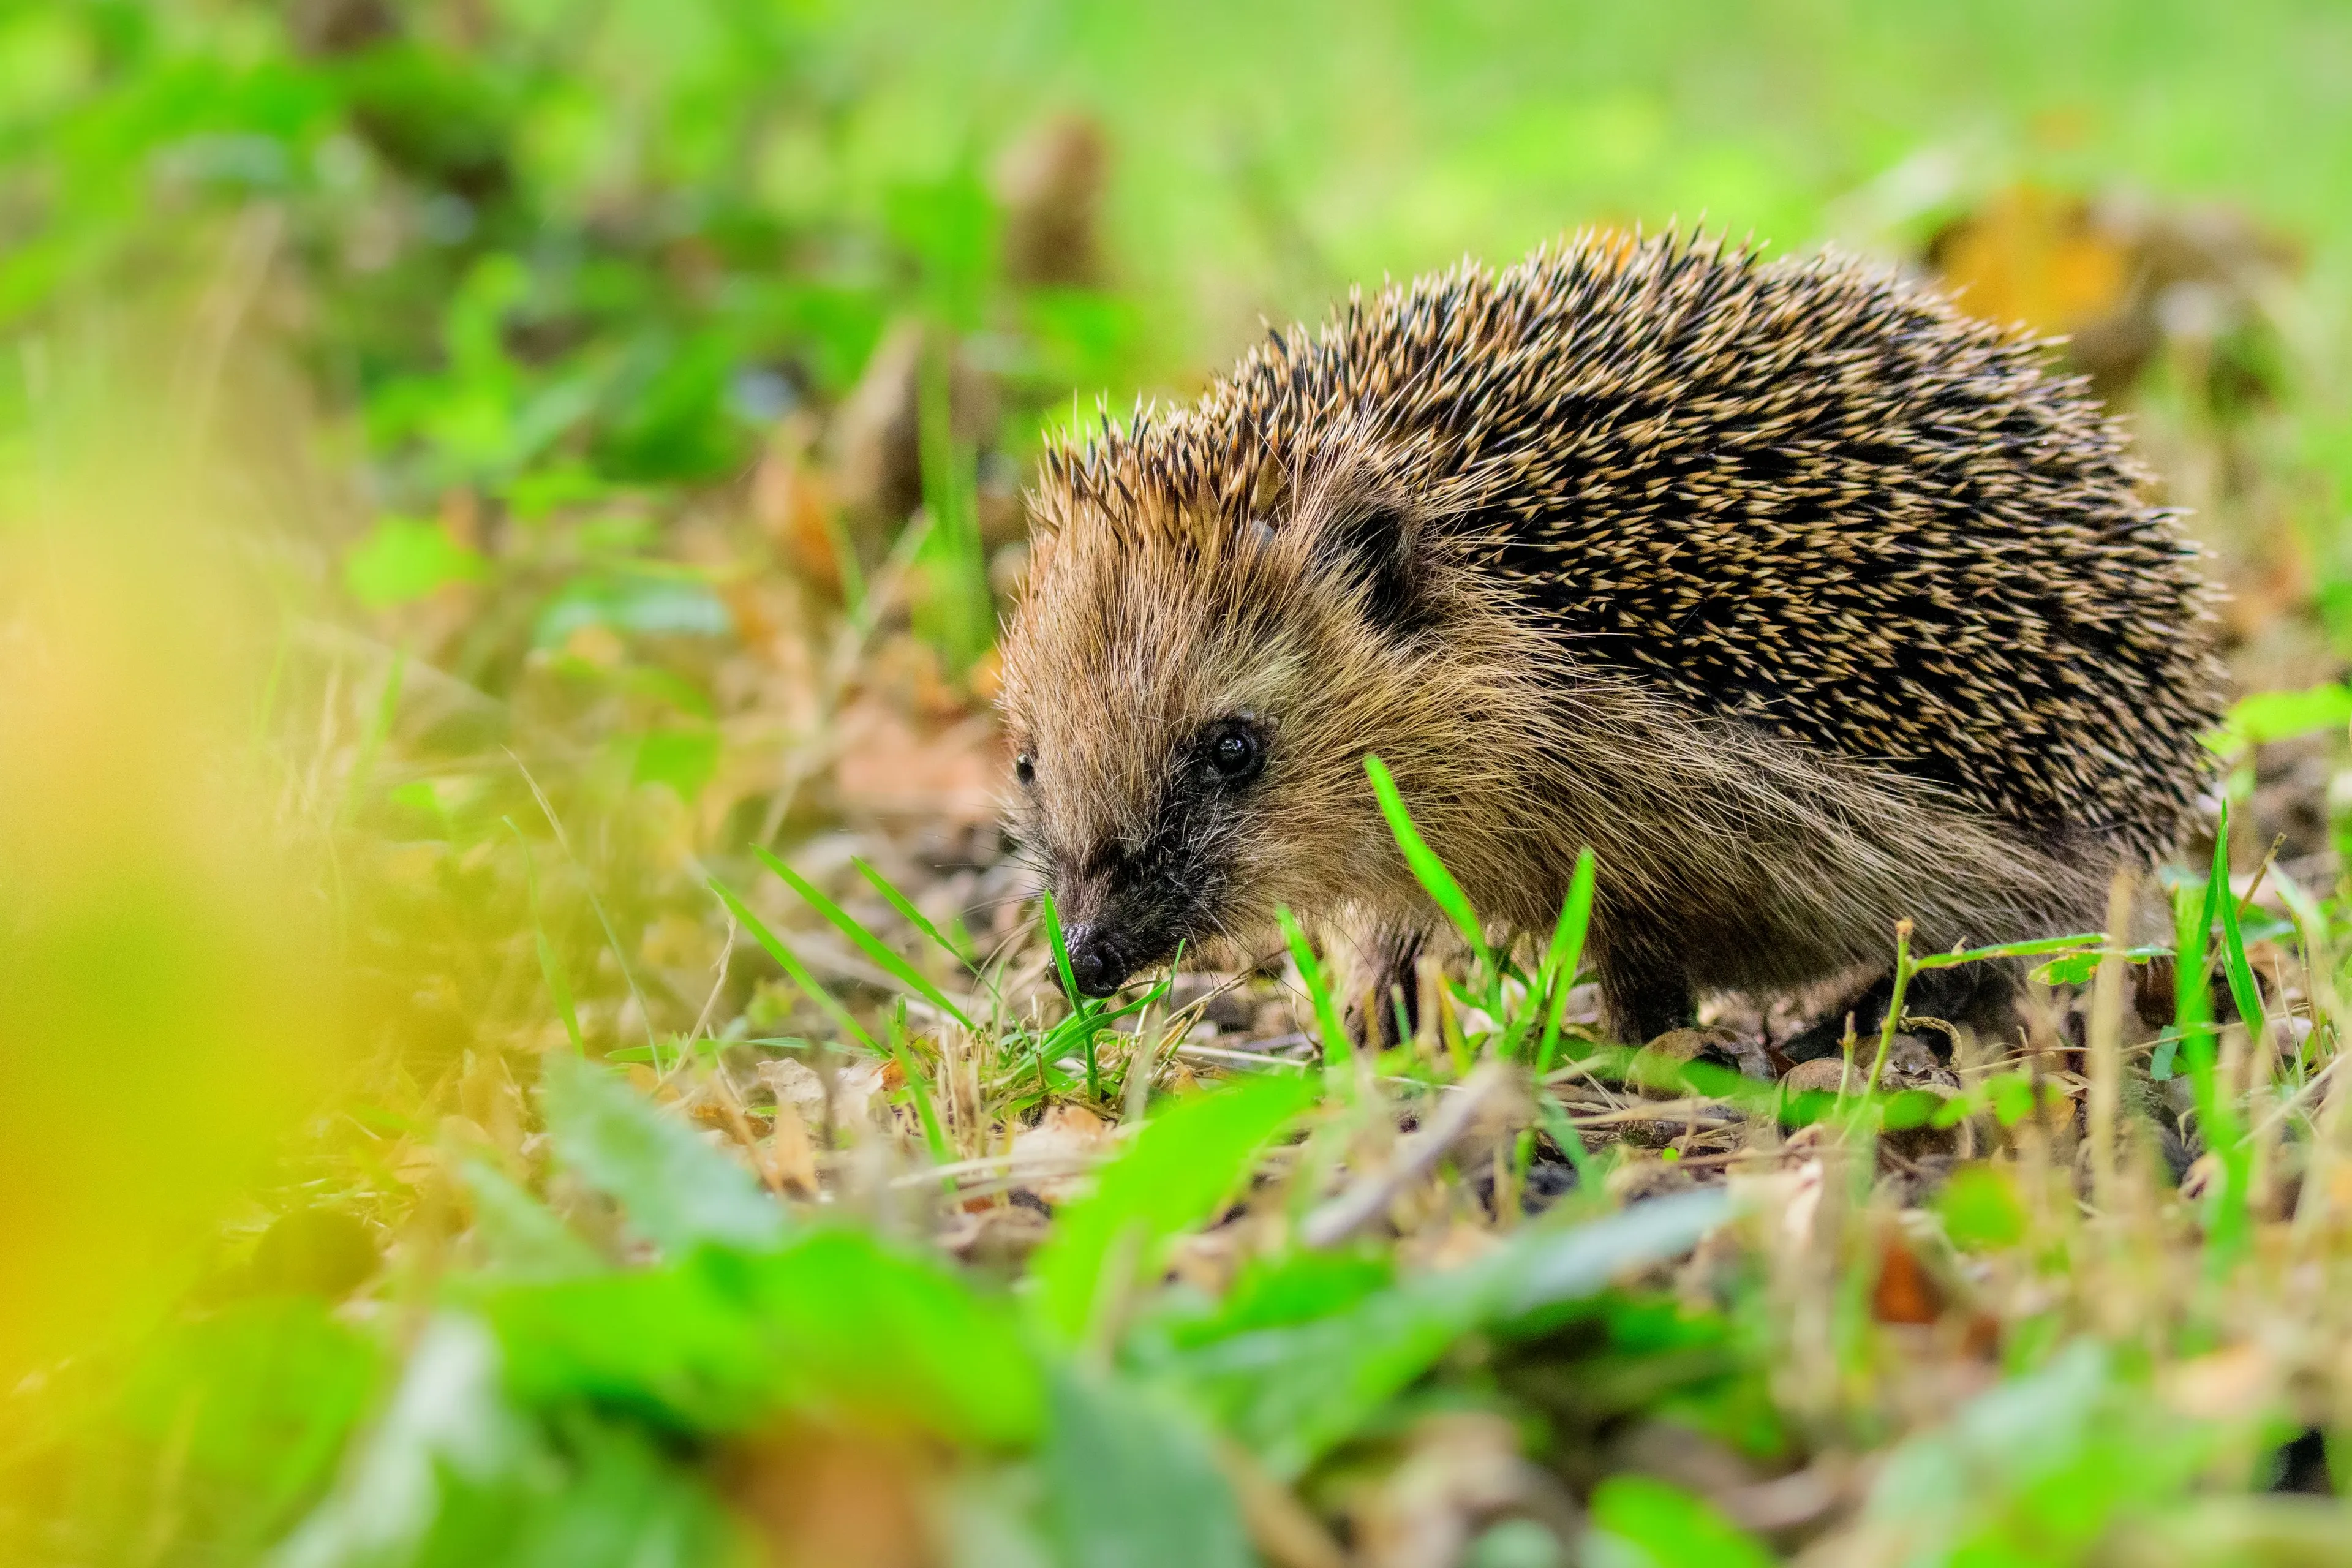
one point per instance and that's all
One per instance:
(1099, 960)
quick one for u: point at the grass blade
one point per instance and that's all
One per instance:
(1086, 1007)
(919, 1086)
(387, 707)
(872, 946)
(908, 912)
(791, 963)
(1062, 954)
(2192, 998)
(1337, 1047)
(2033, 949)
(2243, 989)
(1427, 868)
(2217, 1111)
(1561, 958)
(550, 963)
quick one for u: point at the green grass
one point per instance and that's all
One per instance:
(521, 1046)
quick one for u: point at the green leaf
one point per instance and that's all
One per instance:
(684, 760)
(2012, 1095)
(2263, 717)
(1133, 1481)
(676, 1190)
(448, 1426)
(872, 946)
(836, 1323)
(406, 558)
(454, 1475)
(876, 1331)
(1910, 1107)
(1980, 1208)
(1186, 1162)
(1544, 1266)
(2074, 969)
(1427, 868)
(259, 1396)
(521, 1237)
(1293, 1393)
(1655, 1525)
(2035, 1469)
(640, 601)
(1297, 1287)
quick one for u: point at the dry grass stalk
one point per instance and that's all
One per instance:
(2106, 1061)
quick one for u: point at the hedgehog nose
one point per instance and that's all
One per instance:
(1097, 963)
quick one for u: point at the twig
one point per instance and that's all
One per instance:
(2264, 869)
(1694, 1113)
(2286, 1107)
(1259, 1061)
(711, 1003)
(1373, 1192)
(1001, 1166)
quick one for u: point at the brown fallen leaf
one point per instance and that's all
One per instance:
(2231, 1384)
(831, 1497)
(788, 1158)
(2033, 255)
(792, 502)
(855, 1084)
(891, 767)
(1068, 1139)
(1904, 1294)
(2117, 275)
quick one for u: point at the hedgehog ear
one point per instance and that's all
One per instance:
(1374, 547)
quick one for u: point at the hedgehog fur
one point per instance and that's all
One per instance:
(1807, 602)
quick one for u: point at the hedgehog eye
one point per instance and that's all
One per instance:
(1234, 750)
(1024, 768)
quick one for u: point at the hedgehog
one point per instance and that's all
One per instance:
(1809, 603)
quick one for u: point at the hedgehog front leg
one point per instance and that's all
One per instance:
(1390, 988)
(1642, 995)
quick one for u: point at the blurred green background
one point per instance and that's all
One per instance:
(693, 191)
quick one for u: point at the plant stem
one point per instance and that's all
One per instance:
(1904, 970)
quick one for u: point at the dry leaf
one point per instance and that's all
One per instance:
(2226, 1385)
(890, 767)
(788, 1159)
(1066, 1142)
(1904, 1293)
(832, 1498)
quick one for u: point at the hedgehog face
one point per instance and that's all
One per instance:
(1191, 705)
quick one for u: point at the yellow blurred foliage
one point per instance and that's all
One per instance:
(165, 955)
(2034, 256)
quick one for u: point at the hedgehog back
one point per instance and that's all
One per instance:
(1801, 495)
